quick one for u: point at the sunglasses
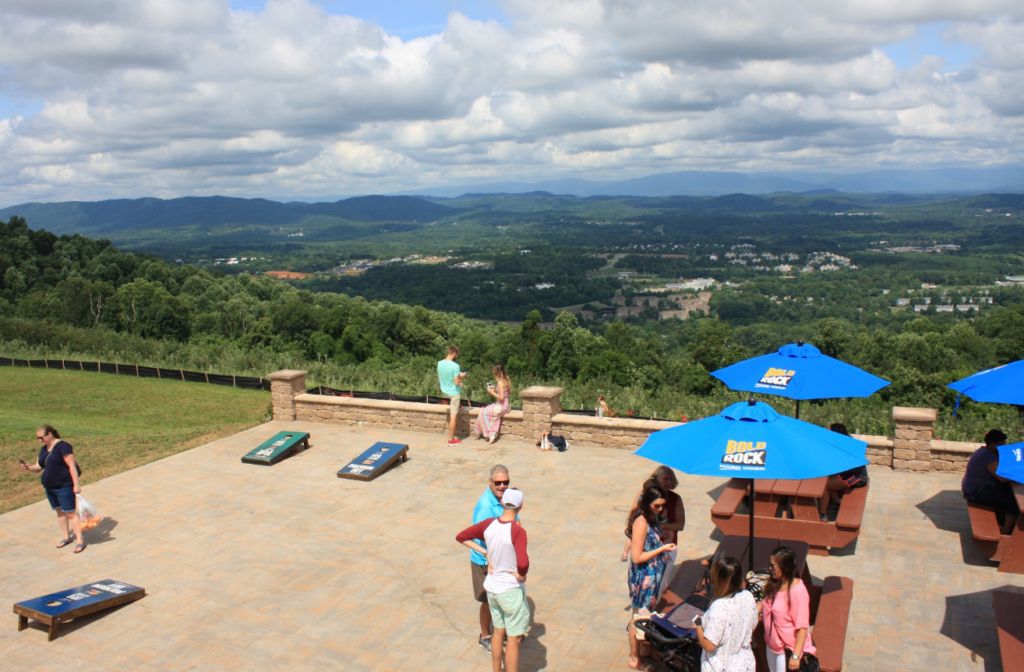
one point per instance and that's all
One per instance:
(500, 483)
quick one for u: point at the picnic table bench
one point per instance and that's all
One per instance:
(1009, 608)
(985, 531)
(787, 509)
(1006, 549)
(830, 602)
(831, 621)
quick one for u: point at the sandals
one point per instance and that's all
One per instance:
(80, 547)
(66, 542)
(645, 665)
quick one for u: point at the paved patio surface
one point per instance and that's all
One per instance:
(290, 568)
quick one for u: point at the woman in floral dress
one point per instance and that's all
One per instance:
(646, 563)
(489, 422)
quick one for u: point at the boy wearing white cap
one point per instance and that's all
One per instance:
(508, 562)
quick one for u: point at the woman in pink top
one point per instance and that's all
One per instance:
(787, 613)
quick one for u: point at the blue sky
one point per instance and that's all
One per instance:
(929, 40)
(407, 19)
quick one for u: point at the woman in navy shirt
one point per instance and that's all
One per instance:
(981, 485)
(60, 481)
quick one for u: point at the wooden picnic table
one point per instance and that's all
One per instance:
(799, 497)
(787, 509)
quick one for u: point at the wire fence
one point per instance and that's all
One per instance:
(244, 382)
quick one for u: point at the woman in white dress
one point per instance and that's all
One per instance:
(726, 628)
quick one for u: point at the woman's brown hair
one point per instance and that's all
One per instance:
(786, 559)
(499, 374)
(727, 577)
(651, 495)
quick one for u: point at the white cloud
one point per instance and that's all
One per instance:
(176, 97)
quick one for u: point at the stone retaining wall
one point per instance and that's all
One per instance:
(404, 415)
(912, 449)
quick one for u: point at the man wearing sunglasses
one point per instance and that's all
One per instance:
(488, 506)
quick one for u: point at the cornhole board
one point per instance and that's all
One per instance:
(375, 461)
(277, 447)
(57, 608)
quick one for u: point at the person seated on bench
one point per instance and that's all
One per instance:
(981, 485)
(838, 484)
(725, 630)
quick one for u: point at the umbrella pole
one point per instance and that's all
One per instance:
(797, 409)
(750, 552)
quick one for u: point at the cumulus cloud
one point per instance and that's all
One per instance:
(177, 97)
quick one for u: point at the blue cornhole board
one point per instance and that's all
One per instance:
(375, 461)
(277, 447)
(57, 608)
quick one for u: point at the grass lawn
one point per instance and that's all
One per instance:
(115, 423)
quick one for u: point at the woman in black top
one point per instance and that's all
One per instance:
(60, 481)
(840, 483)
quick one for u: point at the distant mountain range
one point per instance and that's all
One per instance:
(110, 217)
(692, 192)
(705, 183)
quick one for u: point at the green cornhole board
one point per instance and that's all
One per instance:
(277, 447)
(375, 461)
(56, 608)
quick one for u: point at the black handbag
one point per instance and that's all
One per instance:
(808, 663)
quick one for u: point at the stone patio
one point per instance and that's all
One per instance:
(289, 567)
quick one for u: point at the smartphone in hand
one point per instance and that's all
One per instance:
(23, 463)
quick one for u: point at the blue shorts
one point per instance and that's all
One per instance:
(62, 498)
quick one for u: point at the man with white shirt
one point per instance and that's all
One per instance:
(507, 565)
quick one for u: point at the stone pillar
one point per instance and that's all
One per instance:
(911, 449)
(539, 405)
(284, 387)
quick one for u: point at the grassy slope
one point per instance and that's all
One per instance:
(115, 423)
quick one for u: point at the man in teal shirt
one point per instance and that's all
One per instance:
(450, 376)
(488, 506)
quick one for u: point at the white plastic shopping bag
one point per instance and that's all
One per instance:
(87, 514)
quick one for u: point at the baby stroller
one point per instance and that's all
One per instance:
(673, 637)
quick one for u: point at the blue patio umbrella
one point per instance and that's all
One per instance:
(1011, 462)
(799, 371)
(750, 440)
(1000, 385)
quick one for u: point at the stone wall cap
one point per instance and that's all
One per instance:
(873, 440)
(286, 374)
(541, 392)
(611, 423)
(955, 446)
(914, 414)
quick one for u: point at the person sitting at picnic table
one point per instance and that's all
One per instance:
(647, 563)
(981, 485)
(838, 484)
(488, 423)
(786, 609)
(725, 630)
